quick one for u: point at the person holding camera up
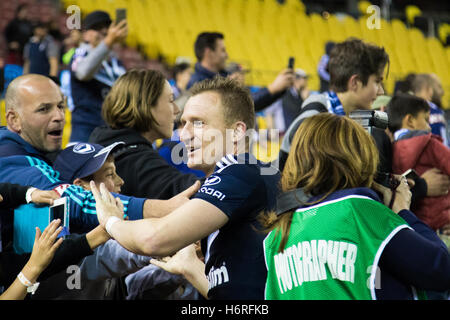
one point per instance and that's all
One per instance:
(94, 69)
(343, 242)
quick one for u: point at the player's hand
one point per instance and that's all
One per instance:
(105, 204)
(183, 197)
(179, 262)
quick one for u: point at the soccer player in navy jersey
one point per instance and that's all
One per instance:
(217, 120)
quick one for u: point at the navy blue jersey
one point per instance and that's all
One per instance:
(242, 188)
(88, 95)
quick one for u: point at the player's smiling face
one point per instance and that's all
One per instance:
(203, 131)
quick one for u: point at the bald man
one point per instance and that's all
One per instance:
(35, 112)
(35, 121)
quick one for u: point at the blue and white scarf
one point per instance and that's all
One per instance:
(334, 105)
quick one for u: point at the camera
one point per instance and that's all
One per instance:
(370, 119)
(59, 210)
(387, 179)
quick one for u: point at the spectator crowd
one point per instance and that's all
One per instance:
(166, 199)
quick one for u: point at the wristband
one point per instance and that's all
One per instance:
(28, 194)
(109, 224)
(31, 287)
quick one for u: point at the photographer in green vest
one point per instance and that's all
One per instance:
(344, 243)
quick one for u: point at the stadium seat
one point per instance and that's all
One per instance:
(411, 12)
(444, 32)
(2, 113)
(264, 33)
(362, 7)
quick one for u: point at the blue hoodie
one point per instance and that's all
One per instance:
(22, 164)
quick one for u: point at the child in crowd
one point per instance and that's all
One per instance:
(83, 162)
(41, 53)
(79, 164)
(415, 147)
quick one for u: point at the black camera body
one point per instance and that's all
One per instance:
(370, 119)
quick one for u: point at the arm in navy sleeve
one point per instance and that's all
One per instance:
(417, 257)
(263, 98)
(13, 195)
(135, 208)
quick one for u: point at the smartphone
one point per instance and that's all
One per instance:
(59, 211)
(410, 174)
(121, 14)
(291, 63)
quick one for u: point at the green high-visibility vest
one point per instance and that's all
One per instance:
(332, 251)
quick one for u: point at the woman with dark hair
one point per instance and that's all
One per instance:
(344, 243)
(138, 110)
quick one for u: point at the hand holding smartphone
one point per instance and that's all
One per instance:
(121, 14)
(59, 211)
(291, 63)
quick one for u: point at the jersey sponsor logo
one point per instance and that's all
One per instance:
(218, 276)
(212, 192)
(307, 261)
(212, 180)
(83, 148)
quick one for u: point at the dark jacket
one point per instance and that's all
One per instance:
(71, 251)
(145, 172)
(420, 150)
(201, 73)
(13, 195)
(292, 104)
(262, 98)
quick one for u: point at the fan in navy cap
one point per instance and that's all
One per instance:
(82, 162)
(93, 70)
(97, 20)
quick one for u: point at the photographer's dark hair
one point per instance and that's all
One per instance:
(206, 40)
(401, 105)
(354, 56)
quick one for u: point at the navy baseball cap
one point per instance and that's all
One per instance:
(81, 160)
(96, 20)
